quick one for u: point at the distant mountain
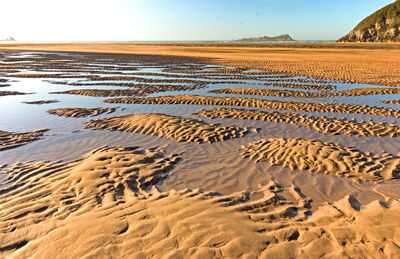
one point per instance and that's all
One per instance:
(283, 37)
(381, 26)
(9, 39)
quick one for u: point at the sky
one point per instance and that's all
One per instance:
(169, 20)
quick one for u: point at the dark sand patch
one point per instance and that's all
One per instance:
(12, 140)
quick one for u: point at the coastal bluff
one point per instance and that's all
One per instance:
(381, 26)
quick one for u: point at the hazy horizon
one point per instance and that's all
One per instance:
(177, 20)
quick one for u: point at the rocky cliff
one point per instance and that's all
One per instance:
(381, 26)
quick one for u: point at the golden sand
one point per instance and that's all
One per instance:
(351, 62)
(289, 93)
(171, 127)
(323, 157)
(320, 124)
(80, 112)
(109, 198)
(257, 103)
(393, 102)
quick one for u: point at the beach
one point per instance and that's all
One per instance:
(200, 150)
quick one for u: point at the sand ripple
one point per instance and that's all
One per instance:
(321, 124)
(393, 102)
(11, 140)
(288, 93)
(324, 157)
(109, 198)
(171, 127)
(80, 112)
(252, 102)
(5, 93)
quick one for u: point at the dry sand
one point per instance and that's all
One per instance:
(80, 112)
(352, 62)
(106, 204)
(322, 157)
(320, 124)
(289, 93)
(257, 103)
(171, 127)
(12, 140)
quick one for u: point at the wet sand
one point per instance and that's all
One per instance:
(350, 62)
(171, 127)
(180, 169)
(12, 140)
(80, 112)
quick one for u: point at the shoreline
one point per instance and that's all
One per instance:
(343, 62)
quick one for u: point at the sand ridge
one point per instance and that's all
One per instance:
(324, 157)
(12, 140)
(392, 102)
(80, 112)
(107, 93)
(109, 198)
(257, 103)
(42, 102)
(307, 85)
(288, 93)
(171, 127)
(321, 124)
(5, 93)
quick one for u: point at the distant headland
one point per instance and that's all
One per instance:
(9, 39)
(283, 37)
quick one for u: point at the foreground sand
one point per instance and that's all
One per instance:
(109, 198)
(349, 62)
(312, 194)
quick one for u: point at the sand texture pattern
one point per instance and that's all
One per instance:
(171, 127)
(42, 102)
(80, 112)
(350, 62)
(320, 124)
(109, 198)
(5, 93)
(11, 140)
(288, 93)
(108, 93)
(309, 85)
(324, 157)
(257, 103)
(397, 102)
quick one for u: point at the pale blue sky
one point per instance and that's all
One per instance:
(116, 20)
